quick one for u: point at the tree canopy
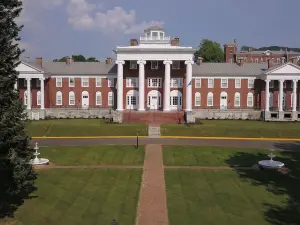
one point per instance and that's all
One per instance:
(77, 58)
(16, 174)
(210, 51)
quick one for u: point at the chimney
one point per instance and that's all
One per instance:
(240, 61)
(250, 49)
(68, 60)
(108, 60)
(133, 42)
(295, 60)
(199, 60)
(282, 60)
(175, 42)
(269, 63)
(39, 61)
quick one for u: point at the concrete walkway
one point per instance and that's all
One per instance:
(152, 207)
(153, 131)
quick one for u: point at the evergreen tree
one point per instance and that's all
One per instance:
(16, 175)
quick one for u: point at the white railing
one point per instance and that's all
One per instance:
(151, 38)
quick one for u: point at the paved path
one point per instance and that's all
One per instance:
(152, 207)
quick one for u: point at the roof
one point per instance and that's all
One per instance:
(255, 52)
(229, 69)
(154, 28)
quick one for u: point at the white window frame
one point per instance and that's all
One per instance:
(58, 81)
(210, 95)
(237, 99)
(25, 82)
(176, 65)
(110, 102)
(224, 79)
(70, 84)
(159, 82)
(71, 94)
(249, 83)
(58, 93)
(197, 101)
(132, 64)
(38, 98)
(238, 84)
(154, 65)
(176, 82)
(85, 82)
(212, 83)
(252, 99)
(130, 83)
(284, 84)
(197, 82)
(98, 81)
(256, 60)
(38, 82)
(25, 98)
(98, 95)
(110, 82)
(271, 84)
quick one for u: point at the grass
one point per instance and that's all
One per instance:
(222, 197)
(234, 128)
(78, 196)
(219, 156)
(83, 127)
(94, 155)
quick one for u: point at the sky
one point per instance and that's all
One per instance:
(93, 28)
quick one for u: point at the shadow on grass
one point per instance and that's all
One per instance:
(275, 182)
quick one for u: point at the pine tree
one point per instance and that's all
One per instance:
(16, 175)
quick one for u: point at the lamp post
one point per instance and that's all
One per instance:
(137, 136)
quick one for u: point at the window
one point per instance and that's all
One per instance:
(110, 82)
(271, 84)
(98, 98)
(210, 83)
(58, 98)
(224, 83)
(84, 82)
(25, 98)
(98, 82)
(210, 99)
(71, 98)
(58, 82)
(176, 82)
(250, 100)
(237, 99)
(256, 60)
(154, 82)
(176, 65)
(250, 83)
(132, 82)
(133, 65)
(38, 82)
(284, 84)
(71, 82)
(110, 99)
(238, 83)
(38, 98)
(197, 99)
(154, 65)
(25, 83)
(198, 83)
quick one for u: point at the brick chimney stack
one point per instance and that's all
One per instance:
(175, 42)
(269, 63)
(134, 42)
(39, 61)
(240, 61)
(199, 60)
(108, 60)
(68, 60)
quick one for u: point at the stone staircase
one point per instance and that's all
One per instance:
(153, 131)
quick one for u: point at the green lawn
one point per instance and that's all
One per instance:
(234, 128)
(83, 127)
(90, 196)
(220, 156)
(223, 197)
(94, 155)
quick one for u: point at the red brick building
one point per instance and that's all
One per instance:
(156, 74)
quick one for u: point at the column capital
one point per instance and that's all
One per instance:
(28, 78)
(141, 62)
(189, 62)
(168, 62)
(281, 80)
(42, 78)
(122, 62)
(295, 80)
(267, 80)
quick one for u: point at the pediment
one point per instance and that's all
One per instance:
(26, 67)
(288, 68)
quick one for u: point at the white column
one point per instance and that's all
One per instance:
(295, 95)
(141, 84)
(42, 80)
(120, 85)
(189, 83)
(281, 95)
(28, 93)
(167, 84)
(267, 96)
(16, 84)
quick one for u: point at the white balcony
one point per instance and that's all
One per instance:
(155, 39)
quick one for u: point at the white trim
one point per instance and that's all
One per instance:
(85, 93)
(97, 81)
(58, 93)
(237, 99)
(132, 82)
(159, 82)
(222, 83)
(129, 97)
(98, 94)
(240, 83)
(248, 83)
(38, 98)
(131, 63)
(80, 76)
(225, 76)
(199, 79)
(57, 81)
(213, 83)
(250, 94)
(210, 94)
(38, 83)
(87, 81)
(153, 66)
(33, 67)
(73, 93)
(283, 65)
(25, 98)
(177, 80)
(110, 95)
(176, 65)
(73, 81)
(175, 94)
(110, 82)
(197, 94)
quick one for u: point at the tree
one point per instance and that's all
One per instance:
(210, 51)
(17, 176)
(77, 58)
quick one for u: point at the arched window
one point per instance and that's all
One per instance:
(71, 98)
(110, 98)
(38, 98)
(58, 98)
(250, 99)
(197, 99)
(98, 98)
(210, 99)
(237, 99)
(25, 98)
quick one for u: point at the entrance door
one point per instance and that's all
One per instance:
(131, 102)
(223, 101)
(153, 102)
(85, 99)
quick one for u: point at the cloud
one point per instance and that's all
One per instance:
(87, 16)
